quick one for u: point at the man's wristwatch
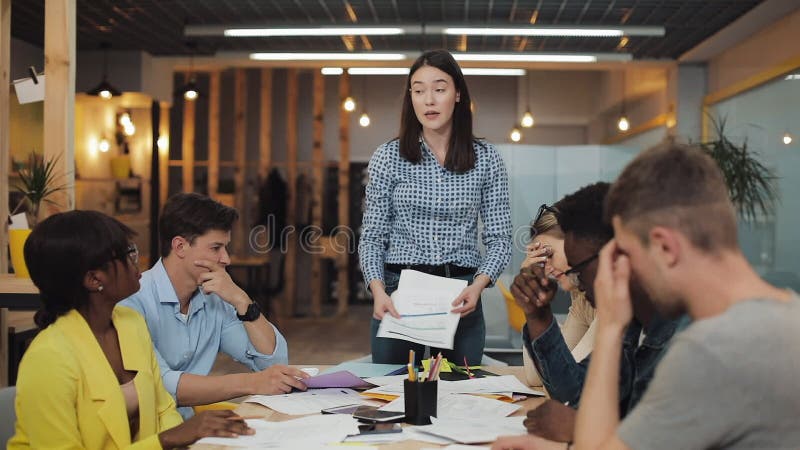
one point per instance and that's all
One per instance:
(253, 312)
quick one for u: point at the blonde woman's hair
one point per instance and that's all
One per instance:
(547, 223)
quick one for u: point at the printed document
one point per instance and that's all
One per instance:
(424, 303)
(474, 431)
(308, 402)
(292, 433)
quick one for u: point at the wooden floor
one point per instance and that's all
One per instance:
(326, 340)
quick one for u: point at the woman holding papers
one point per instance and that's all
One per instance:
(547, 249)
(90, 379)
(426, 191)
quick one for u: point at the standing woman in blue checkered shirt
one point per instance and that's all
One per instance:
(426, 191)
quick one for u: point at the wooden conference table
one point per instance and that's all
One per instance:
(252, 409)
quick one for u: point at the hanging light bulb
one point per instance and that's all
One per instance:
(623, 123)
(104, 146)
(787, 138)
(527, 119)
(349, 104)
(515, 135)
(190, 91)
(129, 129)
(104, 89)
(364, 120)
(125, 119)
(163, 143)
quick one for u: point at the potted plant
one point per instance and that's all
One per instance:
(750, 183)
(37, 182)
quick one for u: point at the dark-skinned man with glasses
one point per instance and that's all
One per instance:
(580, 216)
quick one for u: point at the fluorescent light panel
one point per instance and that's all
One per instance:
(332, 71)
(317, 31)
(493, 72)
(601, 31)
(793, 76)
(327, 56)
(404, 71)
(555, 30)
(525, 57)
(571, 32)
(377, 71)
(543, 57)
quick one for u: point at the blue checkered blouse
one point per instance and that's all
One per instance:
(425, 214)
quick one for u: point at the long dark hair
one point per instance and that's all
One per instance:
(460, 153)
(62, 248)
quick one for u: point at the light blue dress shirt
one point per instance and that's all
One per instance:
(190, 343)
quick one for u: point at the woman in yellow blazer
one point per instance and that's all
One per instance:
(90, 379)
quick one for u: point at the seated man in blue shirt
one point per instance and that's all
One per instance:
(194, 310)
(580, 215)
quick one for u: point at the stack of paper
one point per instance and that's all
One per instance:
(424, 303)
(293, 433)
(474, 431)
(504, 386)
(309, 402)
(460, 406)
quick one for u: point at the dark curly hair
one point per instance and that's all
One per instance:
(581, 213)
(62, 248)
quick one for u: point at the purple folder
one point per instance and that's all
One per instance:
(341, 379)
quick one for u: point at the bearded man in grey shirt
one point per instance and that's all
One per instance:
(728, 380)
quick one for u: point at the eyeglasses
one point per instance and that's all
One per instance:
(542, 209)
(133, 254)
(574, 274)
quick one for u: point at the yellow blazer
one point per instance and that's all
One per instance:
(69, 397)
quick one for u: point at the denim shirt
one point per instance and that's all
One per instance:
(563, 377)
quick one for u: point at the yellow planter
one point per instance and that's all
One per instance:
(16, 242)
(121, 167)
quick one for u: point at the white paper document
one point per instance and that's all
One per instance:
(462, 406)
(311, 401)
(474, 431)
(493, 385)
(424, 303)
(503, 385)
(294, 433)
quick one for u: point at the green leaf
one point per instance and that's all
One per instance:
(750, 183)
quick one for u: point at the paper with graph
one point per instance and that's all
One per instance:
(424, 303)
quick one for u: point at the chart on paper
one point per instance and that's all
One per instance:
(425, 316)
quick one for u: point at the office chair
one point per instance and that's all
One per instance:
(7, 396)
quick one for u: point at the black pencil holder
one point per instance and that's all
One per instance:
(420, 401)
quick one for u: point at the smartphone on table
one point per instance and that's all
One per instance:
(346, 409)
(379, 428)
(375, 415)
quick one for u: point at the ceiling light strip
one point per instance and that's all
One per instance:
(542, 57)
(404, 71)
(319, 31)
(431, 28)
(327, 56)
(562, 31)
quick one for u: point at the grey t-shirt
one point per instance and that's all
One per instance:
(731, 381)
